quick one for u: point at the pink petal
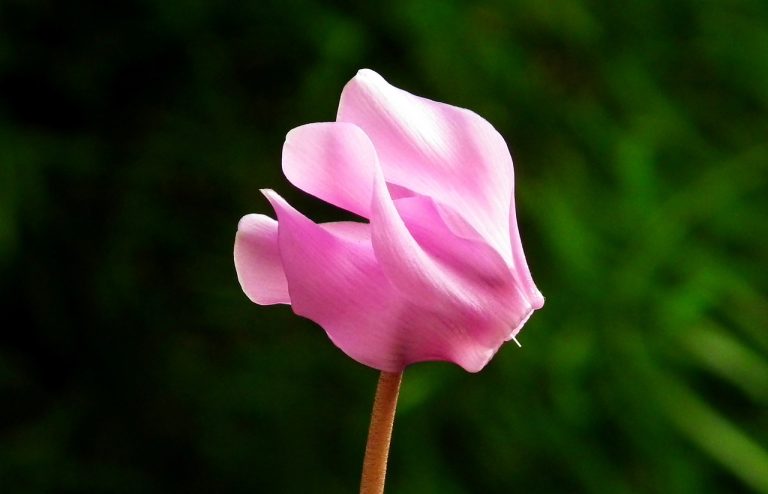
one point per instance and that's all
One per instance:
(257, 261)
(336, 280)
(441, 151)
(351, 231)
(332, 161)
(336, 162)
(434, 228)
(442, 233)
(481, 292)
(469, 257)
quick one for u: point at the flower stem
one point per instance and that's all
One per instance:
(380, 433)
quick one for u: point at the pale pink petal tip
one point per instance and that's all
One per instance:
(257, 261)
(333, 161)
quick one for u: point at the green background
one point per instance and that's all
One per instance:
(134, 135)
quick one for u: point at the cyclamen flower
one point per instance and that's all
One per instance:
(436, 273)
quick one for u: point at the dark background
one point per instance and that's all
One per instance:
(134, 135)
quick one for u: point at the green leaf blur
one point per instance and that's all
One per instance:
(134, 135)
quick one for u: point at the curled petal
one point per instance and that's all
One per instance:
(336, 280)
(437, 150)
(466, 255)
(510, 293)
(332, 161)
(257, 261)
(431, 274)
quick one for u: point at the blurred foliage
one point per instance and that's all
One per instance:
(133, 135)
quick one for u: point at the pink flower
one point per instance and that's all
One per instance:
(437, 272)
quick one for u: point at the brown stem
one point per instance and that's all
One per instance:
(380, 433)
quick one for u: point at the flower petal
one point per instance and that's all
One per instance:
(492, 305)
(442, 233)
(335, 279)
(437, 150)
(257, 261)
(332, 161)
(468, 256)
(319, 157)
(457, 247)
